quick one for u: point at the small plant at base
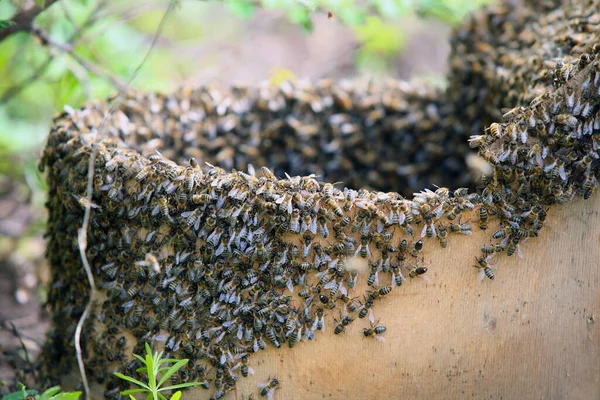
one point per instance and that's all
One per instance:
(155, 365)
(53, 393)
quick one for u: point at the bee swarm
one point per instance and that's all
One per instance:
(216, 264)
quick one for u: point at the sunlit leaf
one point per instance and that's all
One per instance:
(50, 392)
(377, 36)
(19, 395)
(241, 8)
(301, 16)
(278, 75)
(67, 396)
(437, 9)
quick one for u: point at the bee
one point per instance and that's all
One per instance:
(202, 199)
(483, 218)
(323, 229)
(319, 323)
(363, 249)
(268, 389)
(464, 229)
(397, 277)
(588, 186)
(485, 269)
(273, 337)
(417, 271)
(385, 290)
(373, 279)
(333, 205)
(496, 128)
(443, 236)
(294, 226)
(339, 328)
(419, 245)
(375, 331)
(285, 203)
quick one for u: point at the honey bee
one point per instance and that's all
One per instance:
(363, 249)
(485, 269)
(443, 236)
(375, 332)
(294, 226)
(483, 218)
(417, 271)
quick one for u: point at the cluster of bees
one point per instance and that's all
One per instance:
(194, 250)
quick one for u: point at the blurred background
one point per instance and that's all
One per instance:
(68, 52)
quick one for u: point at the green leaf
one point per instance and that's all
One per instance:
(129, 392)
(20, 395)
(67, 396)
(4, 23)
(176, 395)
(378, 37)
(151, 372)
(50, 392)
(351, 16)
(161, 396)
(174, 368)
(180, 386)
(132, 380)
(301, 16)
(241, 8)
(142, 360)
(131, 397)
(40, 3)
(437, 9)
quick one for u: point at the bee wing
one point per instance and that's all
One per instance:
(424, 231)
(330, 284)
(342, 289)
(433, 229)
(562, 173)
(271, 394)
(379, 338)
(290, 285)
(250, 371)
(313, 226)
(481, 275)
(371, 316)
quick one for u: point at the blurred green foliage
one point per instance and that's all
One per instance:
(38, 79)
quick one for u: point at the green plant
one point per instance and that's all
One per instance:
(157, 369)
(53, 393)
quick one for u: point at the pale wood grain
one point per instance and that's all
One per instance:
(532, 333)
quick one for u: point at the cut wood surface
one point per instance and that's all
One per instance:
(531, 333)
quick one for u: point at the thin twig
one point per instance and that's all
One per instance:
(82, 232)
(23, 21)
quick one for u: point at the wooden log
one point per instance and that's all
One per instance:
(531, 333)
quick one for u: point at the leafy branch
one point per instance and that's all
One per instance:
(23, 20)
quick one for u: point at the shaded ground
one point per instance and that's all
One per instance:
(270, 42)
